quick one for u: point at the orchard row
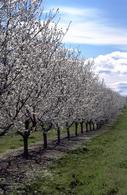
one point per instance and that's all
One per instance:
(44, 85)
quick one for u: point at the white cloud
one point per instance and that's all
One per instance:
(90, 26)
(95, 33)
(113, 68)
(73, 11)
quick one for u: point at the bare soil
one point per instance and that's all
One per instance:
(15, 170)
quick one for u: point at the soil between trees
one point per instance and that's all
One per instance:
(15, 170)
(91, 164)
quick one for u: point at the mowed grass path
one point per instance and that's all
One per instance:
(97, 168)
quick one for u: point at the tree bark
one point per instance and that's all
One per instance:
(25, 141)
(81, 124)
(90, 126)
(98, 125)
(76, 129)
(58, 136)
(93, 126)
(25, 135)
(68, 133)
(45, 144)
(87, 127)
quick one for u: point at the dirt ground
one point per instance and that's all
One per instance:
(14, 169)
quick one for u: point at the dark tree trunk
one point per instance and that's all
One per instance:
(58, 135)
(68, 133)
(25, 135)
(45, 140)
(90, 125)
(76, 129)
(25, 141)
(81, 124)
(93, 126)
(87, 127)
(98, 125)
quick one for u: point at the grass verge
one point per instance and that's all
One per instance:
(97, 168)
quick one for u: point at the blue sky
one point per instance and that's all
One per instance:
(98, 28)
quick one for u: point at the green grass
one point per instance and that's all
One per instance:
(13, 141)
(99, 170)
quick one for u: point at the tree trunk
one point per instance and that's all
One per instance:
(76, 129)
(97, 125)
(45, 140)
(93, 126)
(81, 124)
(68, 133)
(25, 135)
(58, 135)
(25, 141)
(90, 126)
(87, 127)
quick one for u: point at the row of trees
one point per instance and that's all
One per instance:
(43, 85)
